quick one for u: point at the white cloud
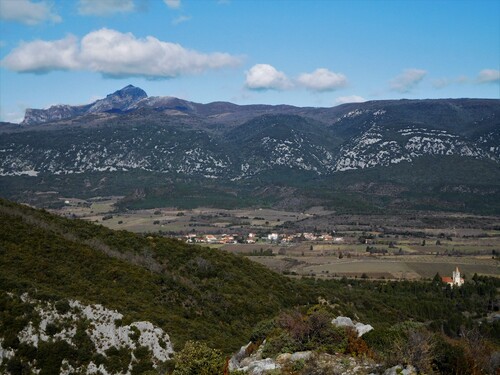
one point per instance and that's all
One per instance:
(180, 19)
(27, 12)
(174, 4)
(42, 56)
(407, 80)
(114, 54)
(350, 99)
(266, 77)
(322, 80)
(489, 76)
(105, 7)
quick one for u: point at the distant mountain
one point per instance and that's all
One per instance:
(257, 144)
(119, 101)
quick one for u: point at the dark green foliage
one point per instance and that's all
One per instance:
(62, 306)
(117, 360)
(197, 358)
(51, 354)
(183, 289)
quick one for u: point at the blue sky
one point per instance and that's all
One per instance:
(298, 52)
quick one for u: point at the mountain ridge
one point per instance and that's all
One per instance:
(261, 145)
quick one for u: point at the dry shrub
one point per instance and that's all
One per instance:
(356, 346)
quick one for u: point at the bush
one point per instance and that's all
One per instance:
(197, 358)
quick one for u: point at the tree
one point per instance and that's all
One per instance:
(197, 358)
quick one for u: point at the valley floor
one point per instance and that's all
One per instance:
(318, 242)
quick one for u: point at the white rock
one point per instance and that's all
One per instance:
(399, 370)
(259, 367)
(297, 356)
(363, 328)
(344, 321)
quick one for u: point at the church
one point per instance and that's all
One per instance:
(455, 280)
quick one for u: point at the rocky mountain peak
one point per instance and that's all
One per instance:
(118, 101)
(129, 91)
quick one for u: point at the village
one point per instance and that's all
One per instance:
(252, 238)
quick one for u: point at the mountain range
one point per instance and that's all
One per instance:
(420, 153)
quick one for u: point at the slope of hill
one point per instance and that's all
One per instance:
(75, 295)
(246, 148)
(190, 292)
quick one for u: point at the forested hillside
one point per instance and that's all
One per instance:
(207, 295)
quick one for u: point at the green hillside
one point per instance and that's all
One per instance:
(189, 291)
(223, 300)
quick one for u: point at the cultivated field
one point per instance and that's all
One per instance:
(411, 246)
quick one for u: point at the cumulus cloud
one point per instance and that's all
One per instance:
(174, 4)
(489, 76)
(407, 80)
(105, 7)
(322, 80)
(350, 99)
(27, 12)
(114, 54)
(266, 77)
(42, 56)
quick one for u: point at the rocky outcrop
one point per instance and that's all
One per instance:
(343, 321)
(252, 363)
(100, 328)
(320, 363)
(119, 101)
(401, 370)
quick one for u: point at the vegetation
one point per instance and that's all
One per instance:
(198, 359)
(189, 291)
(217, 298)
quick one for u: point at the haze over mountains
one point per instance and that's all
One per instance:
(129, 131)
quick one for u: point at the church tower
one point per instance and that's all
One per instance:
(457, 280)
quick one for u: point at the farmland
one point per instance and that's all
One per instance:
(409, 246)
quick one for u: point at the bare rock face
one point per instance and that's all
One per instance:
(54, 113)
(252, 363)
(104, 331)
(343, 321)
(118, 101)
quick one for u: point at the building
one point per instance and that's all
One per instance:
(455, 280)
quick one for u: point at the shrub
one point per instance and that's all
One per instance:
(356, 346)
(62, 306)
(197, 358)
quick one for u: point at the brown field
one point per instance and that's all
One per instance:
(408, 247)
